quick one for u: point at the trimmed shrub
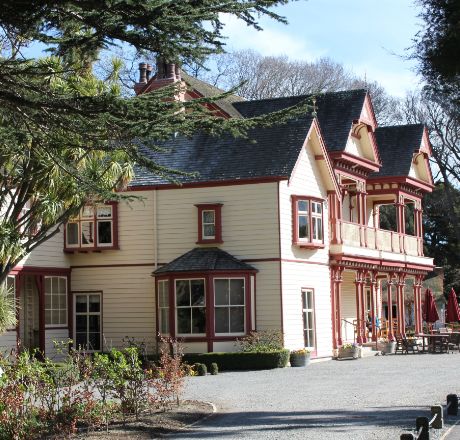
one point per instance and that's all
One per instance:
(241, 360)
(214, 369)
(261, 342)
(201, 369)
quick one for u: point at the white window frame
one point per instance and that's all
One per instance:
(305, 311)
(88, 313)
(104, 219)
(160, 308)
(66, 324)
(203, 224)
(190, 335)
(228, 306)
(94, 219)
(315, 219)
(306, 214)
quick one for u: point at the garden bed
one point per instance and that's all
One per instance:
(154, 425)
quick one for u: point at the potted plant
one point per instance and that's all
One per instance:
(350, 350)
(387, 346)
(299, 358)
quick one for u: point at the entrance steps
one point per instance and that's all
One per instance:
(368, 349)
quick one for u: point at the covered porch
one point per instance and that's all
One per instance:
(375, 301)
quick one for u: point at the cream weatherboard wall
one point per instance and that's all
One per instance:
(304, 268)
(48, 254)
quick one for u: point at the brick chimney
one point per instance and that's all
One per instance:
(166, 73)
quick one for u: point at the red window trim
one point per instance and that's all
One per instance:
(97, 248)
(208, 277)
(302, 242)
(217, 208)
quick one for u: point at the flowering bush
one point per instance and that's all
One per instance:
(350, 345)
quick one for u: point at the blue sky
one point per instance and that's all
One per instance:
(368, 36)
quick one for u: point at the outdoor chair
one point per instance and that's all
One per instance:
(454, 342)
(401, 347)
(411, 345)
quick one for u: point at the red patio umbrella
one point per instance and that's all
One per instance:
(453, 312)
(429, 309)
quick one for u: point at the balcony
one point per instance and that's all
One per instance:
(354, 239)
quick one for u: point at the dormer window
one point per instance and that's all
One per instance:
(94, 228)
(209, 223)
(308, 224)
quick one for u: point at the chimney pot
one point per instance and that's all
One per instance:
(170, 69)
(149, 71)
(142, 73)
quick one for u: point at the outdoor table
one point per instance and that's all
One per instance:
(431, 339)
(451, 340)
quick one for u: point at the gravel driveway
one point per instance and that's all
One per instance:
(371, 398)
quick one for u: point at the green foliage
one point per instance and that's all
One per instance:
(261, 342)
(8, 308)
(214, 369)
(201, 369)
(241, 360)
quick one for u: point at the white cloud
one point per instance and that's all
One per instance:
(269, 41)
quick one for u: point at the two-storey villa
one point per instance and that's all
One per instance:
(278, 231)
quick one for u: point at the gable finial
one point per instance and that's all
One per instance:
(314, 112)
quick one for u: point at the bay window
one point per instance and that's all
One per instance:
(95, 227)
(190, 307)
(308, 222)
(229, 306)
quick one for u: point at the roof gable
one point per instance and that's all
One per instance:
(405, 151)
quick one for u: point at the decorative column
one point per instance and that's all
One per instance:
(400, 222)
(401, 282)
(360, 327)
(390, 308)
(372, 285)
(418, 303)
(333, 309)
(338, 303)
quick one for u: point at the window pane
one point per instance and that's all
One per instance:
(62, 316)
(62, 285)
(209, 230)
(163, 293)
(47, 317)
(237, 292)
(81, 323)
(304, 229)
(47, 301)
(208, 216)
(316, 207)
(303, 205)
(198, 320)
(62, 301)
(55, 285)
(80, 340)
(80, 304)
(104, 211)
(94, 303)
(197, 293)
(309, 295)
(72, 234)
(94, 323)
(47, 285)
(87, 233)
(104, 232)
(304, 303)
(55, 317)
(317, 229)
(164, 321)
(236, 319)
(221, 292)
(182, 293)
(221, 320)
(184, 321)
(87, 212)
(94, 341)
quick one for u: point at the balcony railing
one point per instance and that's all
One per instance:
(352, 234)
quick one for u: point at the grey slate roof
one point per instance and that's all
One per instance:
(204, 259)
(335, 111)
(209, 91)
(397, 145)
(269, 152)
